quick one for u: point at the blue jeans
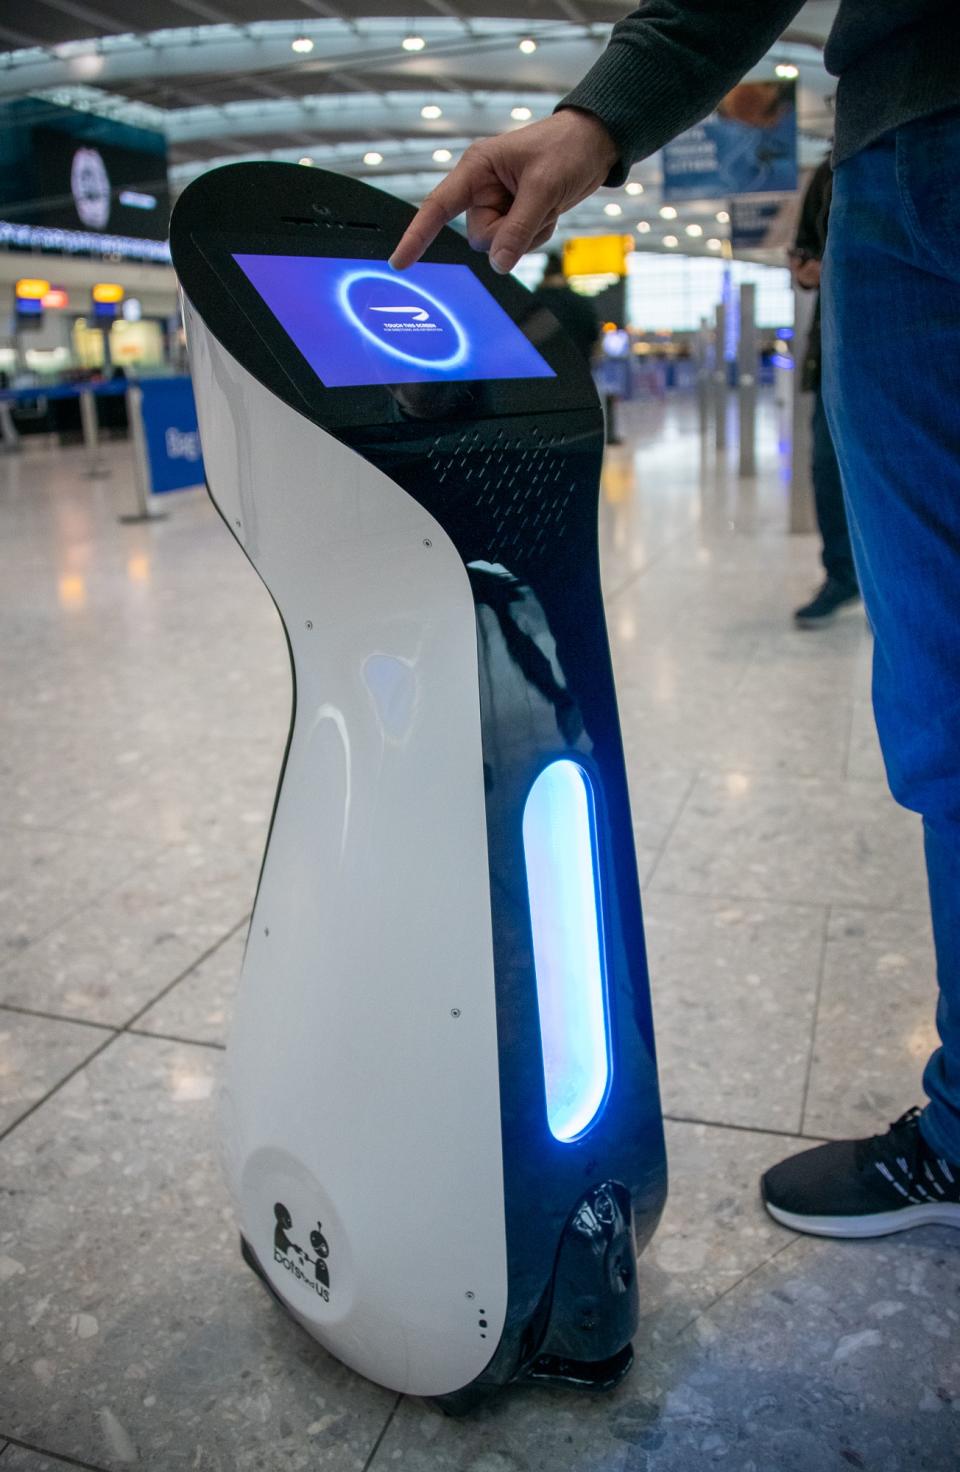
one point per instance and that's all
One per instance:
(891, 333)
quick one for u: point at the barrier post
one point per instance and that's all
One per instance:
(96, 470)
(803, 516)
(747, 380)
(9, 435)
(720, 378)
(703, 375)
(141, 462)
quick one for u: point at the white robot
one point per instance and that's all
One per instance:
(441, 1114)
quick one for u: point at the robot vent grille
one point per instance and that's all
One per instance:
(512, 493)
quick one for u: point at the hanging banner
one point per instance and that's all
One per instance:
(763, 224)
(748, 146)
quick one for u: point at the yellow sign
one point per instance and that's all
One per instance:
(596, 255)
(107, 291)
(29, 289)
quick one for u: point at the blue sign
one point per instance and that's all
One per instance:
(173, 439)
(358, 322)
(748, 146)
(751, 222)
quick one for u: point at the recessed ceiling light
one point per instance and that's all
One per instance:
(528, 45)
(307, 162)
(787, 71)
(302, 44)
(442, 155)
(431, 111)
(612, 209)
(713, 243)
(667, 212)
(521, 114)
(413, 43)
(722, 217)
(373, 158)
(695, 230)
(643, 228)
(633, 187)
(670, 241)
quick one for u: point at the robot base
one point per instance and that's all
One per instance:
(591, 1310)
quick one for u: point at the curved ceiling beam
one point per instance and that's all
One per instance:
(267, 48)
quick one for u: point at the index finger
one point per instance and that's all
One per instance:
(443, 204)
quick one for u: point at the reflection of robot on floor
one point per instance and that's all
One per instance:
(446, 954)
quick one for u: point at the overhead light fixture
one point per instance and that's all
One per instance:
(787, 71)
(413, 43)
(307, 162)
(670, 241)
(528, 45)
(633, 187)
(667, 212)
(442, 155)
(722, 217)
(643, 227)
(695, 230)
(612, 209)
(373, 158)
(713, 243)
(302, 45)
(431, 111)
(521, 114)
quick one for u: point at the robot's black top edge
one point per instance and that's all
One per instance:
(288, 267)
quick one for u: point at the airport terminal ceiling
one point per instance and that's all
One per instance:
(390, 92)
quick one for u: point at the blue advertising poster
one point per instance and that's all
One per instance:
(358, 322)
(755, 223)
(748, 146)
(172, 436)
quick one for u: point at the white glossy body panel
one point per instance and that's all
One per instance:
(362, 1071)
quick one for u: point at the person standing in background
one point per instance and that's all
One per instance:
(574, 313)
(840, 586)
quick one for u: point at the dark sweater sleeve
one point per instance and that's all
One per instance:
(668, 64)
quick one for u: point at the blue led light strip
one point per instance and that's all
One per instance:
(560, 851)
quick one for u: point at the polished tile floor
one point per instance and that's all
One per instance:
(144, 707)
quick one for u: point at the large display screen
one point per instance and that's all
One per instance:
(82, 185)
(359, 323)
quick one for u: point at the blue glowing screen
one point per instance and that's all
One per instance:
(358, 322)
(560, 850)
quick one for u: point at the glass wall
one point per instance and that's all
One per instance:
(672, 293)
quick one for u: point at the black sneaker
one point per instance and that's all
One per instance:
(865, 1188)
(823, 606)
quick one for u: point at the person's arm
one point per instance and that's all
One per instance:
(668, 64)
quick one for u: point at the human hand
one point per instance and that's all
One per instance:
(807, 274)
(514, 187)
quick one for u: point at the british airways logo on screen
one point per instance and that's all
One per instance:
(416, 314)
(404, 320)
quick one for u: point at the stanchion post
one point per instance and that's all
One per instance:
(141, 461)
(703, 375)
(96, 469)
(803, 516)
(9, 436)
(720, 378)
(747, 380)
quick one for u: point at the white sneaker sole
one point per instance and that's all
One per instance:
(878, 1224)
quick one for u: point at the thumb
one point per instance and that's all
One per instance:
(534, 205)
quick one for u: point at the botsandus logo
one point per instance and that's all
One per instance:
(311, 1271)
